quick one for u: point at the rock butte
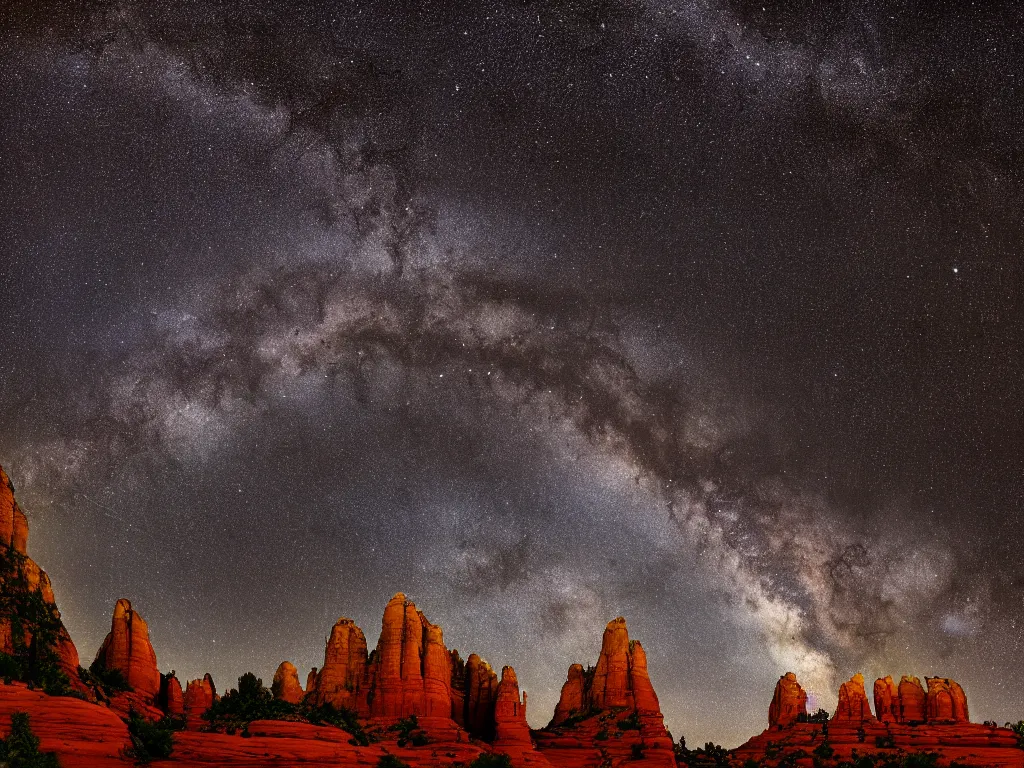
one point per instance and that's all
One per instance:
(906, 719)
(607, 716)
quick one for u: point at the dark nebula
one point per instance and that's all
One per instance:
(707, 314)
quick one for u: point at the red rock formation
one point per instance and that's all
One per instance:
(481, 692)
(172, 700)
(286, 685)
(510, 724)
(411, 671)
(13, 523)
(912, 700)
(84, 735)
(945, 702)
(127, 649)
(343, 680)
(199, 697)
(570, 701)
(963, 743)
(788, 702)
(620, 679)
(853, 702)
(43, 637)
(887, 700)
(311, 680)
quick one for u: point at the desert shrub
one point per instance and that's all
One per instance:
(491, 760)
(1018, 728)
(579, 716)
(824, 751)
(821, 716)
(631, 723)
(601, 735)
(387, 760)
(885, 742)
(409, 732)
(920, 760)
(343, 718)
(251, 700)
(110, 680)
(150, 741)
(21, 747)
(637, 750)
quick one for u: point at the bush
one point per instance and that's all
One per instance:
(387, 760)
(821, 716)
(150, 741)
(409, 732)
(491, 760)
(631, 723)
(343, 718)
(21, 747)
(250, 701)
(823, 751)
(1018, 728)
(885, 742)
(601, 735)
(110, 680)
(637, 750)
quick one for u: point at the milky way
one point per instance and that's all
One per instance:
(705, 314)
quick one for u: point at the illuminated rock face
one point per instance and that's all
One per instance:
(31, 629)
(128, 650)
(853, 702)
(620, 680)
(945, 701)
(199, 697)
(286, 686)
(887, 700)
(912, 700)
(788, 702)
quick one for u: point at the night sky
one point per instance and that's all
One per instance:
(707, 314)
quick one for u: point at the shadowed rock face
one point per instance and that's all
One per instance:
(788, 702)
(172, 699)
(128, 650)
(286, 685)
(30, 626)
(480, 694)
(853, 704)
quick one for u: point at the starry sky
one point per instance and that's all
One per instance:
(707, 313)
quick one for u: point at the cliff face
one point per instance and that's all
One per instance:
(788, 702)
(853, 702)
(32, 635)
(127, 649)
